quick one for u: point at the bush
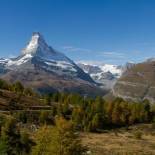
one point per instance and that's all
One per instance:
(153, 125)
(138, 135)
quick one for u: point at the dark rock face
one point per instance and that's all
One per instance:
(90, 69)
(137, 82)
(44, 82)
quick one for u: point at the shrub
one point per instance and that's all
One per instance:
(153, 125)
(138, 135)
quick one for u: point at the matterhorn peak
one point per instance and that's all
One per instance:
(37, 45)
(37, 34)
(37, 38)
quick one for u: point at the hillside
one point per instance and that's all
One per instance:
(137, 83)
(122, 141)
(14, 101)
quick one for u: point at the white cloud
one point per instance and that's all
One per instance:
(113, 54)
(75, 49)
(12, 56)
(107, 56)
(97, 53)
(90, 62)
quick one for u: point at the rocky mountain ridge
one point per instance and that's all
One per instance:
(45, 69)
(104, 74)
(137, 83)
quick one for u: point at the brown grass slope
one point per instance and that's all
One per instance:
(14, 101)
(137, 83)
(122, 141)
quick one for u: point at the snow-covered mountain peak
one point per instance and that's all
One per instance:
(93, 68)
(37, 46)
(46, 70)
(114, 69)
(38, 54)
(105, 74)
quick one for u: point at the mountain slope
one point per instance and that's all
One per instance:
(137, 82)
(44, 69)
(106, 75)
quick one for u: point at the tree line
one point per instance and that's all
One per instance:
(96, 114)
(16, 87)
(59, 127)
(87, 114)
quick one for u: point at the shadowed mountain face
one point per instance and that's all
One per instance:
(47, 70)
(137, 82)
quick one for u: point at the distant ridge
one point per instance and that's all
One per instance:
(137, 83)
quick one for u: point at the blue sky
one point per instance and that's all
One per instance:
(110, 31)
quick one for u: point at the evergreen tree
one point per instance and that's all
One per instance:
(12, 142)
(96, 122)
(28, 92)
(11, 137)
(26, 143)
(18, 87)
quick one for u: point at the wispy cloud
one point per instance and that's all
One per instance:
(113, 54)
(90, 62)
(75, 49)
(97, 57)
(12, 56)
(99, 53)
